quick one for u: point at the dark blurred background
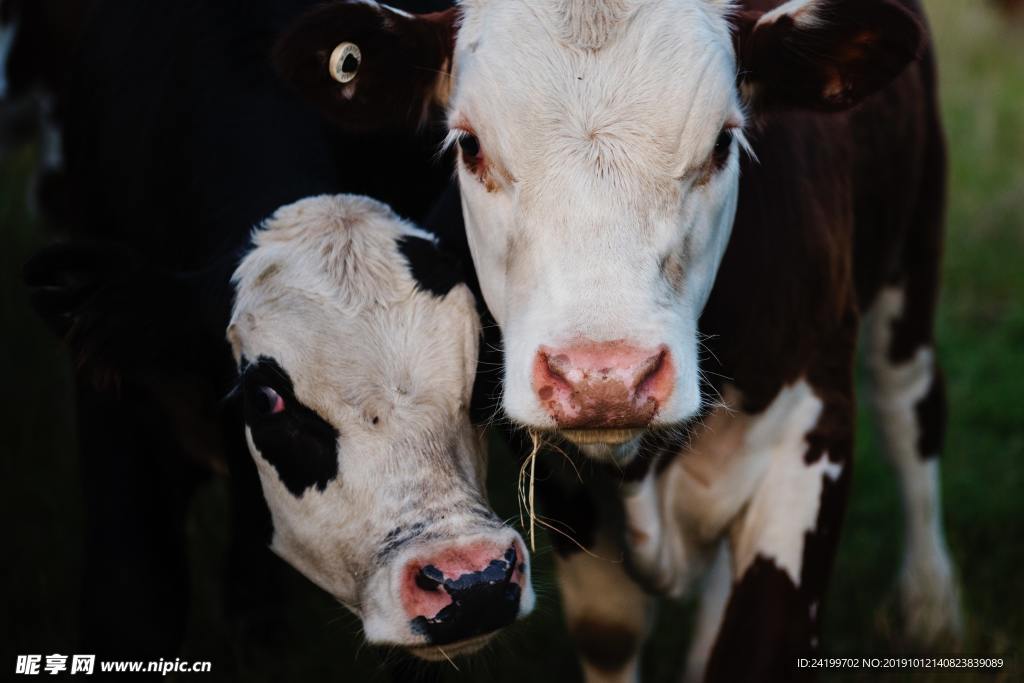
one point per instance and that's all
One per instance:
(981, 342)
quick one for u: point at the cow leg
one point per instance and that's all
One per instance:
(668, 556)
(909, 404)
(608, 614)
(713, 599)
(783, 542)
(908, 397)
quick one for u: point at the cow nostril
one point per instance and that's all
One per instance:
(558, 366)
(649, 370)
(463, 592)
(429, 578)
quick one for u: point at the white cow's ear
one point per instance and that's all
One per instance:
(824, 55)
(235, 340)
(471, 333)
(368, 66)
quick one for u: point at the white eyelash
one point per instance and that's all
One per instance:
(453, 136)
(744, 143)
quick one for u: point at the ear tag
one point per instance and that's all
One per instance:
(345, 62)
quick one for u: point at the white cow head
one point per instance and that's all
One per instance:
(356, 379)
(599, 153)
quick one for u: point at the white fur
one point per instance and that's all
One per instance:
(928, 589)
(596, 122)
(740, 489)
(741, 473)
(399, 12)
(786, 505)
(713, 600)
(327, 294)
(803, 12)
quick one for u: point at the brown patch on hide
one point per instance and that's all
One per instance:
(606, 646)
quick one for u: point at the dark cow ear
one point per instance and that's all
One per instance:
(118, 314)
(368, 66)
(435, 270)
(824, 55)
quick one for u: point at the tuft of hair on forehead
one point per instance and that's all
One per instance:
(340, 247)
(590, 24)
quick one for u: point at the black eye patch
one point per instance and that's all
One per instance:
(301, 445)
(434, 270)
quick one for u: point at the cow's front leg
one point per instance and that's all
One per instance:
(908, 397)
(784, 541)
(667, 556)
(608, 614)
(714, 596)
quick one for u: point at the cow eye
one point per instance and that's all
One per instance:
(723, 145)
(470, 145)
(266, 401)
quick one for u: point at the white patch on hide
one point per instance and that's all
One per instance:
(788, 498)
(929, 594)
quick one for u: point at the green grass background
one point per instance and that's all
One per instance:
(981, 343)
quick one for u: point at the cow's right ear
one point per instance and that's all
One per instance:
(367, 66)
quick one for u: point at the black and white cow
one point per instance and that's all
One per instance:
(356, 381)
(356, 343)
(679, 212)
(178, 138)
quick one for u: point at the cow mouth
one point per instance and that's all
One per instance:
(617, 447)
(439, 653)
(607, 437)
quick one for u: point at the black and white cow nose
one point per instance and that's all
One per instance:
(463, 592)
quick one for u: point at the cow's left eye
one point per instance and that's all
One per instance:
(268, 402)
(470, 146)
(723, 145)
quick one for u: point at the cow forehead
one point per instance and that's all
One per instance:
(387, 360)
(590, 25)
(329, 293)
(663, 79)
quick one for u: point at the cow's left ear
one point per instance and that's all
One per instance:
(824, 55)
(368, 66)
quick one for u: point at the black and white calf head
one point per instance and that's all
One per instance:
(599, 147)
(356, 379)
